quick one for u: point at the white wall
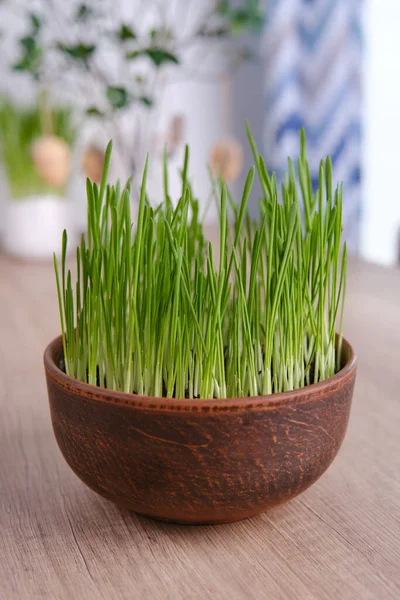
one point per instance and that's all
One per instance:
(381, 224)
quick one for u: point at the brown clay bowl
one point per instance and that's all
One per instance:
(199, 461)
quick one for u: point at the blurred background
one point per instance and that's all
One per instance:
(156, 74)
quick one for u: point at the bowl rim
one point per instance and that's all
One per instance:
(129, 400)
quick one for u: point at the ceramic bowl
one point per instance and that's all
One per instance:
(199, 461)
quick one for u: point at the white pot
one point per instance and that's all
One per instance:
(33, 226)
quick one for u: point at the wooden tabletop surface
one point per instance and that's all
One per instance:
(59, 541)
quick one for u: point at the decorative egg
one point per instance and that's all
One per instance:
(226, 158)
(51, 156)
(93, 162)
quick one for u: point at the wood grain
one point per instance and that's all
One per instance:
(341, 539)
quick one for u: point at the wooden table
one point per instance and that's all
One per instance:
(340, 540)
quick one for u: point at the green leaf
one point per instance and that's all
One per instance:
(117, 96)
(36, 22)
(31, 58)
(83, 12)
(146, 101)
(134, 54)
(28, 43)
(93, 111)
(159, 56)
(21, 65)
(250, 18)
(126, 33)
(79, 51)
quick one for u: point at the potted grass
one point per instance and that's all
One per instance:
(35, 145)
(195, 389)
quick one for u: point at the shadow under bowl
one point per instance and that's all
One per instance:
(199, 461)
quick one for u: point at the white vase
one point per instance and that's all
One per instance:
(33, 226)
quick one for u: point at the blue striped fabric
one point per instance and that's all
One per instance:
(312, 55)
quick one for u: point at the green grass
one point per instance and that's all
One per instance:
(153, 311)
(19, 127)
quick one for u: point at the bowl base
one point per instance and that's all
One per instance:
(199, 521)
